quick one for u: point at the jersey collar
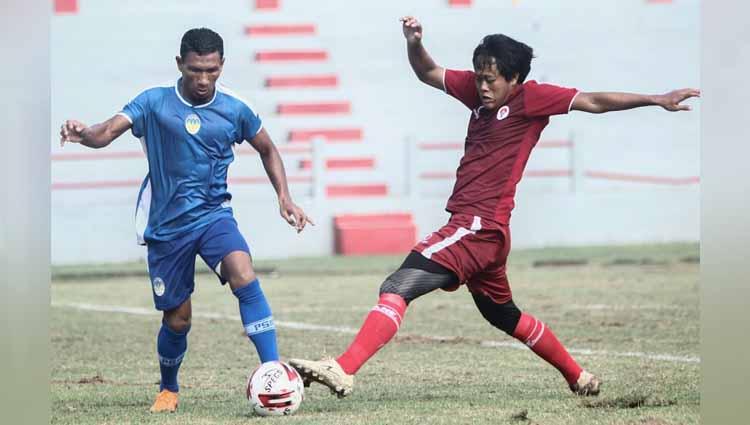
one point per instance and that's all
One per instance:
(179, 96)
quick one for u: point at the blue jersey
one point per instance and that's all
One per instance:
(189, 149)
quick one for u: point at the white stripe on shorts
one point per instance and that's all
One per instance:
(476, 225)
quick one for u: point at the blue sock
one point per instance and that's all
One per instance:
(257, 320)
(171, 347)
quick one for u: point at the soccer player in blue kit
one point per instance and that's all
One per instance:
(187, 129)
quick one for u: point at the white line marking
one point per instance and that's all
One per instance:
(352, 331)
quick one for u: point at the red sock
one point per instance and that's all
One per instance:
(380, 326)
(544, 343)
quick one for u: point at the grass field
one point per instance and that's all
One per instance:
(629, 315)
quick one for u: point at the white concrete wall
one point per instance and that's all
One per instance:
(111, 50)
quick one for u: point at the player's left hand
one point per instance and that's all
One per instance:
(672, 101)
(293, 214)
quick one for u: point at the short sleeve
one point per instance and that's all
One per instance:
(136, 111)
(250, 123)
(542, 100)
(460, 84)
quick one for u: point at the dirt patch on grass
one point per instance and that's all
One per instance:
(650, 421)
(564, 262)
(96, 379)
(630, 401)
(522, 417)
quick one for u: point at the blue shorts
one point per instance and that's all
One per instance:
(171, 264)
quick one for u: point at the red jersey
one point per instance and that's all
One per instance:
(498, 143)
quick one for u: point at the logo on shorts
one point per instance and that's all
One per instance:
(503, 113)
(426, 239)
(192, 124)
(159, 287)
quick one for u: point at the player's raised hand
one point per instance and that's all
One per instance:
(672, 101)
(412, 28)
(72, 131)
(294, 215)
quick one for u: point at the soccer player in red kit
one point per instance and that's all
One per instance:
(507, 117)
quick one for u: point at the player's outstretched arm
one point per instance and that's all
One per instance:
(293, 214)
(426, 69)
(600, 102)
(96, 136)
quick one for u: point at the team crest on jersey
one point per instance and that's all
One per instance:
(159, 286)
(503, 113)
(192, 124)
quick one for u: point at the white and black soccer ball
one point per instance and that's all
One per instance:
(275, 389)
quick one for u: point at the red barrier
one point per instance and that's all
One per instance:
(279, 30)
(367, 234)
(459, 3)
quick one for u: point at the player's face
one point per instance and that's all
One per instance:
(199, 75)
(492, 87)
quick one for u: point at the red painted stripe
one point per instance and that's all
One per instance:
(444, 175)
(322, 108)
(302, 81)
(291, 55)
(673, 181)
(267, 4)
(331, 134)
(354, 190)
(350, 163)
(459, 3)
(341, 164)
(64, 7)
(272, 30)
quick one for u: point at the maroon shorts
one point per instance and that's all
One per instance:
(474, 249)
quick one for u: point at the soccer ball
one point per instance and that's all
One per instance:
(275, 389)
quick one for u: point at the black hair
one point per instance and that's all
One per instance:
(511, 57)
(202, 41)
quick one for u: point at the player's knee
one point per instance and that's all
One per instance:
(502, 316)
(178, 323)
(390, 286)
(241, 279)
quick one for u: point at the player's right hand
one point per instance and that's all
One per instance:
(72, 131)
(412, 28)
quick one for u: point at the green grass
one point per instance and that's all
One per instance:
(625, 299)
